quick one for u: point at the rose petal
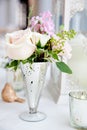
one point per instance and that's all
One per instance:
(13, 37)
(20, 51)
(35, 37)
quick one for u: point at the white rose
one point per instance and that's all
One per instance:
(15, 36)
(17, 46)
(44, 38)
(35, 37)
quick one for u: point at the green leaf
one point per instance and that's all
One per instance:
(64, 67)
(13, 64)
(39, 51)
(39, 44)
(54, 55)
(24, 61)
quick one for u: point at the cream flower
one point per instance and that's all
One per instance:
(17, 46)
(43, 39)
(36, 37)
(15, 36)
(66, 53)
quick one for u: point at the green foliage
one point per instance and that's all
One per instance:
(64, 67)
(53, 55)
(67, 34)
(13, 64)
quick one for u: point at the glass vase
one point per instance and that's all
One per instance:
(15, 78)
(34, 76)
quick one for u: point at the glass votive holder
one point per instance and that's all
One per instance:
(78, 109)
(15, 79)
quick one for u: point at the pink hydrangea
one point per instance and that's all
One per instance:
(43, 23)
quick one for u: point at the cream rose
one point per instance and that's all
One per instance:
(15, 36)
(35, 37)
(22, 44)
(17, 45)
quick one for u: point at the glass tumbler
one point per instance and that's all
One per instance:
(78, 109)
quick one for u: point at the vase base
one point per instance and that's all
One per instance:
(36, 117)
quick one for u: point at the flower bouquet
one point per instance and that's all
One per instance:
(32, 49)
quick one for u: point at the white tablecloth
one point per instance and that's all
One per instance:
(57, 116)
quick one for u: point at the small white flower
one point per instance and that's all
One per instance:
(66, 53)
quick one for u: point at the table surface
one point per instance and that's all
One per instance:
(57, 116)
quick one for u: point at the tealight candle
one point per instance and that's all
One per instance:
(78, 109)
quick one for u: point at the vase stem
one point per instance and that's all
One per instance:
(32, 110)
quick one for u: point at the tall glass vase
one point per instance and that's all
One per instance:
(34, 76)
